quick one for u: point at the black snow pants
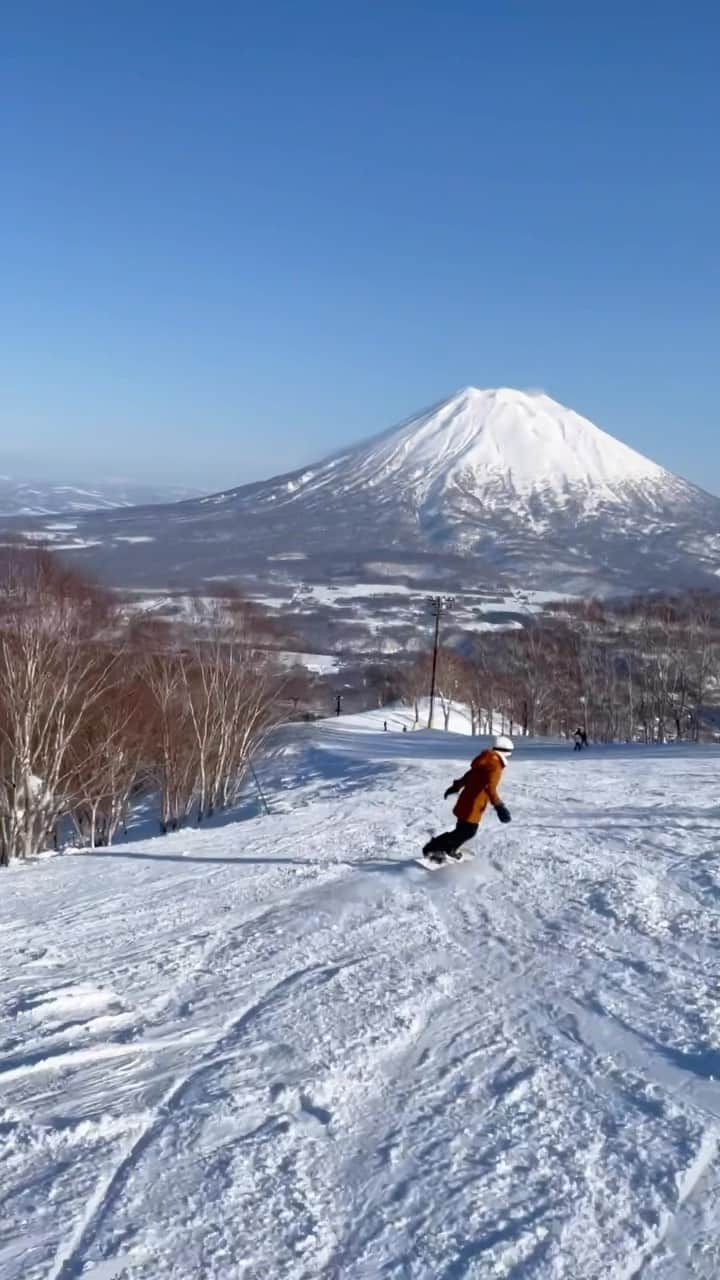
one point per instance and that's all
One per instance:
(450, 841)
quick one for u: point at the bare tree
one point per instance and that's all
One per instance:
(451, 682)
(107, 760)
(58, 660)
(214, 700)
(171, 754)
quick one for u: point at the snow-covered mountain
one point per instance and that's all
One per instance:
(20, 497)
(468, 468)
(483, 494)
(513, 442)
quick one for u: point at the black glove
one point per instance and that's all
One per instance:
(503, 813)
(450, 792)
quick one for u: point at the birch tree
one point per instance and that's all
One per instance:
(57, 663)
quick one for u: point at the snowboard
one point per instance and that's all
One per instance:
(426, 863)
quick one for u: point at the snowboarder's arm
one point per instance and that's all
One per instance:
(494, 772)
(457, 785)
(501, 810)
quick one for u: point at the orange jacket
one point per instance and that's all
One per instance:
(478, 787)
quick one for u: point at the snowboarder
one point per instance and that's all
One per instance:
(478, 788)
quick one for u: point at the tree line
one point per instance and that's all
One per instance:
(98, 708)
(645, 670)
(101, 708)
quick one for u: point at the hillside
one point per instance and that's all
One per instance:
(23, 497)
(279, 1048)
(486, 495)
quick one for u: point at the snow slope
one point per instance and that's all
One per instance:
(281, 1049)
(400, 716)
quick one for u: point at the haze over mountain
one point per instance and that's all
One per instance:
(38, 497)
(483, 494)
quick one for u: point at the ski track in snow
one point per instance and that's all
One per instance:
(278, 1048)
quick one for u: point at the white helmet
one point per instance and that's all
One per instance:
(504, 746)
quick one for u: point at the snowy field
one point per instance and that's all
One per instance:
(279, 1050)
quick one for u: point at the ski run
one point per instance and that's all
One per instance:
(277, 1049)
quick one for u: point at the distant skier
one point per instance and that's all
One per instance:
(478, 788)
(578, 740)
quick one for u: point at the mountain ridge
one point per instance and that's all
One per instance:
(20, 496)
(485, 492)
(470, 423)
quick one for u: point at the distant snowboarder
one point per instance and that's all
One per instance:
(580, 739)
(478, 788)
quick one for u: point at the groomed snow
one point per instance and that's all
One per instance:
(279, 1050)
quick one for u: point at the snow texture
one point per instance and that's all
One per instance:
(278, 1048)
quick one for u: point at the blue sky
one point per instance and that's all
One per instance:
(235, 236)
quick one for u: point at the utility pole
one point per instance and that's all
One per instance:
(438, 605)
(260, 791)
